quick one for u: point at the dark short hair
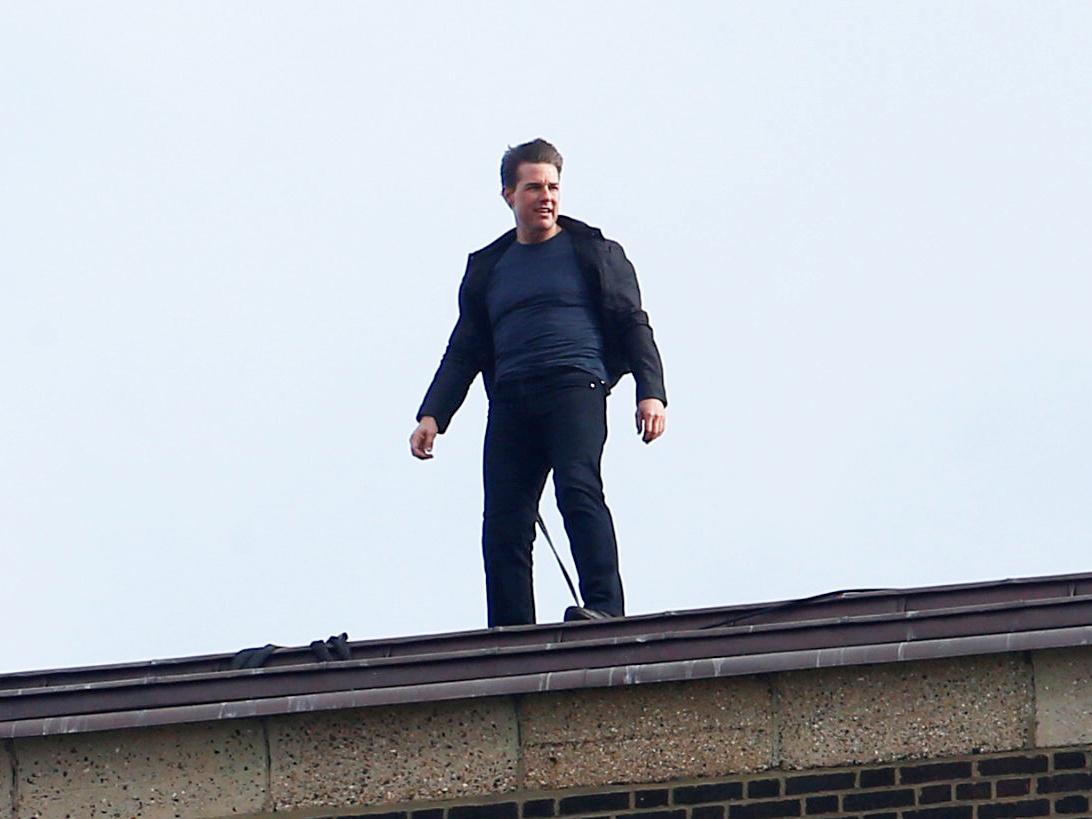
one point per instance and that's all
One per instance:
(537, 150)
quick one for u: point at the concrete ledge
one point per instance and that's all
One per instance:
(372, 756)
(199, 771)
(646, 733)
(848, 716)
(1063, 696)
(7, 782)
(357, 760)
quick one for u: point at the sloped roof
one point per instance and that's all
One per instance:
(835, 629)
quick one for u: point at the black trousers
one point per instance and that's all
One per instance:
(557, 421)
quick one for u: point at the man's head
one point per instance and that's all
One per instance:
(531, 185)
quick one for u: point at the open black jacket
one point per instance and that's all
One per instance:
(627, 335)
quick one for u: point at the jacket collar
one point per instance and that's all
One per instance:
(578, 228)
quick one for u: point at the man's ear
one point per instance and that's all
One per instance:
(507, 194)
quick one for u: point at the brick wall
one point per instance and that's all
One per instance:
(1049, 782)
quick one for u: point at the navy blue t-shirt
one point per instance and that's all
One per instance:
(542, 312)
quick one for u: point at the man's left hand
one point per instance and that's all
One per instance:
(651, 419)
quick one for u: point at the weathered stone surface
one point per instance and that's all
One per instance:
(370, 756)
(7, 795)
(204, 770)
(646, 733)
(1063, 696)
(841, 716)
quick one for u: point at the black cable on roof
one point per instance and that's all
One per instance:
(789, 604)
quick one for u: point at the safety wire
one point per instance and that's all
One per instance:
(728, 621)
(564, 571)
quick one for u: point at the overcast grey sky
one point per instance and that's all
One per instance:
(231, 236)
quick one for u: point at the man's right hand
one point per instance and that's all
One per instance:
(420, 441)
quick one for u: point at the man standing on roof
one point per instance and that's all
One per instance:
(550, 314)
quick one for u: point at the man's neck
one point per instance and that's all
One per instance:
(534, 238)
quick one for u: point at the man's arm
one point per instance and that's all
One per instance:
(639, 345)
(458, 368)
(632, 326)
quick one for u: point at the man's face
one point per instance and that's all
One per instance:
(535, 201)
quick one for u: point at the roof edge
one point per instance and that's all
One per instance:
(678, 671)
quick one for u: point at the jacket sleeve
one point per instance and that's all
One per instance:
(460, 364)
(622, 300)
